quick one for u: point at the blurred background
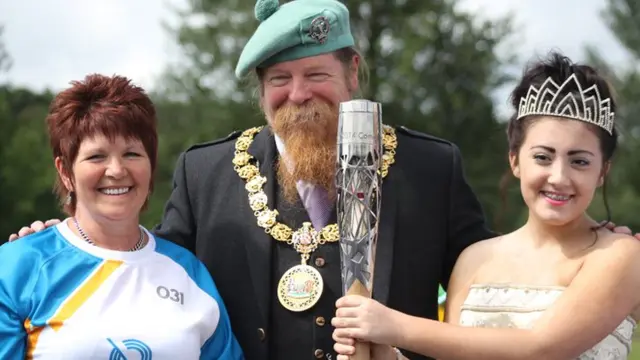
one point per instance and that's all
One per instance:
(442, 67)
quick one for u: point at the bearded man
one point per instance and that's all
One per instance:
(259, 203)
(244, 204)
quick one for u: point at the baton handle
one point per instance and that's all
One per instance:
(363, 349)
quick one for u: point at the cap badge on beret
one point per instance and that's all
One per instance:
(319, 29)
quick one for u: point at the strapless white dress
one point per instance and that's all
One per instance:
(503, 306)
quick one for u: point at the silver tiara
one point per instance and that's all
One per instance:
(588, 106)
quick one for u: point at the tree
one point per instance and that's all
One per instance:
(27, 173)
(5, 59)
(623, 19)
(26, 167)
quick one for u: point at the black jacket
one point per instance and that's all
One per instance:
(428, 216)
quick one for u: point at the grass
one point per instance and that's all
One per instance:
(635, 348)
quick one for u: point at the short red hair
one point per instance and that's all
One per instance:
(99, 105)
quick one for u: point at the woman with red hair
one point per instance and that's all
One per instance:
(98, 284)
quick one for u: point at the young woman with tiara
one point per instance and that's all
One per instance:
(559, 287)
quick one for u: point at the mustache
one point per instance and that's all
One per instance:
(315, 117)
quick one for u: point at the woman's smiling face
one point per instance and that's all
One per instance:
(560, 166)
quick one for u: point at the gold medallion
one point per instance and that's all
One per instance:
(300, 288)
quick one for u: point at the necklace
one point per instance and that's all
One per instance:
(300, 287)
(86, 238)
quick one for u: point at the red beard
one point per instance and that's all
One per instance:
(309, 133)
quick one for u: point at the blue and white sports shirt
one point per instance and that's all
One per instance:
(62, 298)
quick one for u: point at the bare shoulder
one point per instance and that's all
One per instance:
(615, 257)
(484, 247)
(617, 245)
(618, 256)
(477, 254)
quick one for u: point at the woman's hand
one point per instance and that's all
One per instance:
(362, 318)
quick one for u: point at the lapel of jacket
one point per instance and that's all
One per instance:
(386, 231)
(259, 244)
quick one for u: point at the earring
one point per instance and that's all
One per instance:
(69, 198)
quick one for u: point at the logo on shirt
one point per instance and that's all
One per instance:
(129, 345)
(171, 294)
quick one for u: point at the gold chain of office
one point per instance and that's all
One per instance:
(306, 239)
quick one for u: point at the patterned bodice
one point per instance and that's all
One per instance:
(504, 306)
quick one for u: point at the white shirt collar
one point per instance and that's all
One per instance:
(282, 150)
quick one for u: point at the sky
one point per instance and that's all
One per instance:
(544, 25)
(567, 25)
(54, 41)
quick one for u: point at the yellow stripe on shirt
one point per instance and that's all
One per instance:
(32, 338)
(83, 294)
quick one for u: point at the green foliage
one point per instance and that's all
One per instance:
(434, 67)
(623, 188)
(5, 59)
(26, 166)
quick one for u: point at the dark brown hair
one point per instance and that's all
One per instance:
(99, 105)
(559, 68)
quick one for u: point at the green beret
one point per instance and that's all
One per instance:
(295, 30)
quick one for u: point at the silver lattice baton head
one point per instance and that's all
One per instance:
(358, 183)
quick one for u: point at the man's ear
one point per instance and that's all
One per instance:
(354, 66)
